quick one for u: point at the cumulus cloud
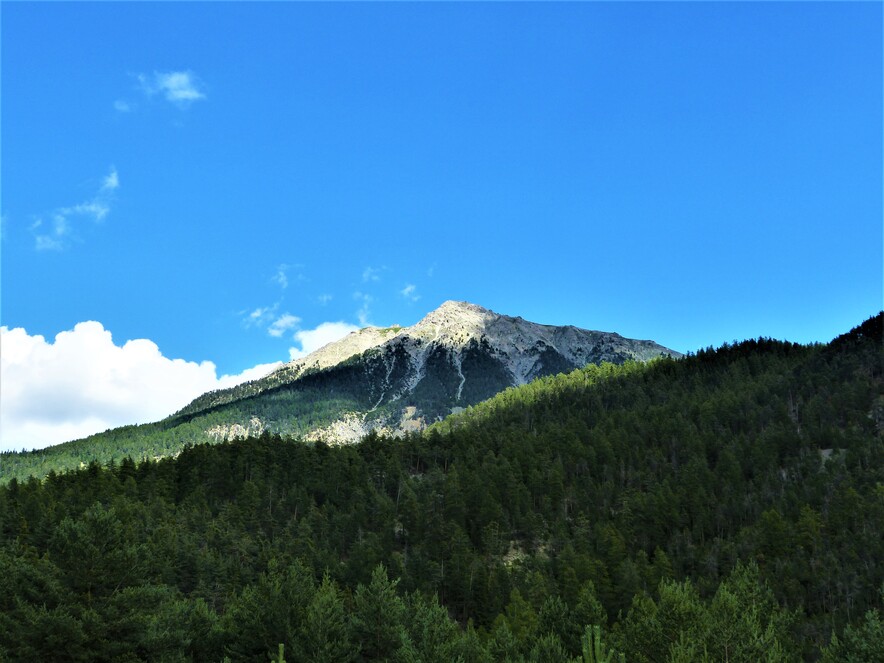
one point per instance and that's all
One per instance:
(180, 88)
(282, 324)
(254, 373)
(83, 383)
(409, 292)
(55, 232)
(313, 339)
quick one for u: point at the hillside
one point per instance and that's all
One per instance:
(389, 380)
(723, 506)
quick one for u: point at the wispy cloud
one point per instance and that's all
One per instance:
(111, 182)
(282, 324)
(372, 274)
(288, 274)
(277, 326)
(54, 239)
(266, 317)
(365, 309)
(180, 88)
(260, 316)
(55, 232)
(324, 298)
(281, 278)
(409, 292)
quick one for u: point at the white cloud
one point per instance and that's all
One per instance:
(288, 274)
(83, 383)
(112, 181)
(281, 278)
(282, 324)
(324, 299)
(365, 309)
(253, 373)
(56, 237)
(410, 292)
(97, 209)
(370, 274)
(122, 106)
(178, 87)
(260, 316)
(313, 339)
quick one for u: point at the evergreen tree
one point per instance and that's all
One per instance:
(326, 634)
(378, 618)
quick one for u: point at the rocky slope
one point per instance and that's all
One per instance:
(399, 379)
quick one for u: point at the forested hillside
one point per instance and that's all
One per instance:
(728, 506)
(288, 409)
(390, 380)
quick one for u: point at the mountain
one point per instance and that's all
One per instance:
(407, 377)
(723, 507)
(391, 380)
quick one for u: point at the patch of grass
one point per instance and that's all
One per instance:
(386, 331)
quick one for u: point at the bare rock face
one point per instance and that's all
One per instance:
(519, 345)
(400, 379)
(333, 354)
(228, 432)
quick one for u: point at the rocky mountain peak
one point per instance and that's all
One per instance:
(453, 323)
(454, 307)
(399, 379)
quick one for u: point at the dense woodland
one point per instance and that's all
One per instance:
(277, 403)
(728, 506)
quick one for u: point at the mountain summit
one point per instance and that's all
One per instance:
(523, 349)
(399, 379)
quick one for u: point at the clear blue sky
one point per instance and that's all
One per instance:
(692, 173)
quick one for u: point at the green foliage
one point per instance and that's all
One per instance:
(327, 634)
(379, 617)
(270, 611)
(683, 506)
(594, 650)
(860, 643)
(280, 654)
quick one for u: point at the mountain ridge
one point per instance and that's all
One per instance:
(453, 324)
(389, 380)
(455, 356)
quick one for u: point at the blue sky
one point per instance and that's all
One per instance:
(227, 180)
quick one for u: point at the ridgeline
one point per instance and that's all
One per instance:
(728, 505)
